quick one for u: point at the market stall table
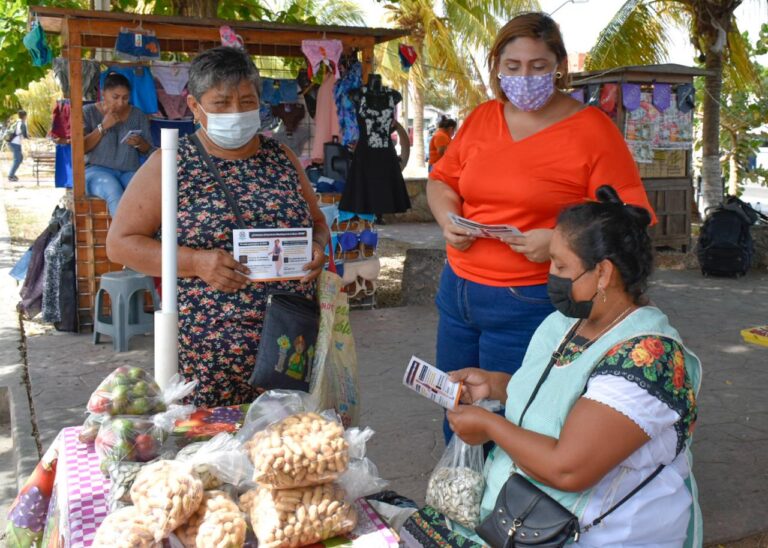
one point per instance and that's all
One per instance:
(78, 501)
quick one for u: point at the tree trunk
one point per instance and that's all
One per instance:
(734, 176)
(200, 9)
(711, 175)
(417, 154)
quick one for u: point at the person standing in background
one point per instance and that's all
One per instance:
(20, 133)
(446, 127)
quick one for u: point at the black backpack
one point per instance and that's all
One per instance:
(725, 246)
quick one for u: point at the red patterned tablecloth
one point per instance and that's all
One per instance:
(78, 503)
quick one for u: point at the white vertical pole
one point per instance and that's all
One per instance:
(166, 319)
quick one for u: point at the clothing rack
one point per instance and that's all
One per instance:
(83, 30)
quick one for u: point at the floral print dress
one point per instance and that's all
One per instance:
(219, 332)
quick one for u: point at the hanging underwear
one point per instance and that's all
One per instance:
(143, 93)
(686, 98)
(662, 96)
(593, 95)
(322, 51)
(268, 121)
(173, 76)
(407, 56)
(630, 96)
(230, 38)
(578, 94)
(136, 46)
(175, 106)
(37, 45)
(291, 114)
(608, 97)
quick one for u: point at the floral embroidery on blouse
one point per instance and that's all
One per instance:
(657, 365)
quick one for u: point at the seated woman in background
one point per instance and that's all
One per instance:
(618, 397)
(115, 134)
(439, 142)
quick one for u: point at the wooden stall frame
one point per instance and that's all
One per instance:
(658, 189)
(82, 30)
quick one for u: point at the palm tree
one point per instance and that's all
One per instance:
(443, 35)
(638, 35)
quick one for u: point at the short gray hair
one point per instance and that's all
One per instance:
(221, 65)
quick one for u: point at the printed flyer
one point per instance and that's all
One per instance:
(273, 253)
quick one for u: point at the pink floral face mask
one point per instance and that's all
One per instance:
(528, 93)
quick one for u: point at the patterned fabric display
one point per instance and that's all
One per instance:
(345, 107)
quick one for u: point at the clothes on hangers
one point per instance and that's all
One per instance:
(345, 107)
(279, 90)
(662, 96)
(90, 71)
(291, 114)
(295, 140)
(375, 183)
(37, 45)
(143, 93)
(172, 76)
(60, 127)
(326, 117)
(175, 106)
(320, 52)
(407, 56)
(63, 166)
(185, 127)
(136, 45)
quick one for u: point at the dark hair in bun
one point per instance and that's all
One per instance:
(610, 229)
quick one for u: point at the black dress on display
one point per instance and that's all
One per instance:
(375, 183)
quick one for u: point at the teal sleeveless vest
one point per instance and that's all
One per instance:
(558, 394)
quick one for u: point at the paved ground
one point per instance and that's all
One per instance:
(730, 444)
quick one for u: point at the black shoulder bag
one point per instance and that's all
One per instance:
(524, 515)
(291, 322)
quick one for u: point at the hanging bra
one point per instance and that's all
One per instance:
(322, 51)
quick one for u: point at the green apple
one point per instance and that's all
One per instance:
(120, 391)
(140, 389)
(123, 428)
(139, 406)
(122, 450)
(136, 373)
(119, 406)
(120, 378)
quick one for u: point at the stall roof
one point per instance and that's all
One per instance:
(638, 73)
(179, 34)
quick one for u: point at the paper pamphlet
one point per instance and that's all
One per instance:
(432, 383)
(483, 231)
(273, 253)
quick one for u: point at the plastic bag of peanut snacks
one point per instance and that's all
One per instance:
(127, 528)
(218, 522)
(217, 461)
(300, 450)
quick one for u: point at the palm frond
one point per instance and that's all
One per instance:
(635, 36)
(739, 70)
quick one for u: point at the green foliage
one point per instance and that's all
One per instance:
(38, 100)
(744, 116)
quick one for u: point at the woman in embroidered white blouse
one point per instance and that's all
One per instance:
(618, 398)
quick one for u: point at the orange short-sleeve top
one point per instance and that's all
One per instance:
(527, 183)
(440, 139)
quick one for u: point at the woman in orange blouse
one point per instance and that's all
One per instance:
(518, 160)
(446, 128)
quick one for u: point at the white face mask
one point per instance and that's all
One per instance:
(232, 130)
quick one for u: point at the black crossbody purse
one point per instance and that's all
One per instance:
(291, 321)
(524, 515)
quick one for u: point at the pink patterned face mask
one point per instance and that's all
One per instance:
(528, 93)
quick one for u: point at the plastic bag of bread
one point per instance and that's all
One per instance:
(127, 528)
(301, 516)
(217, 522)
(167, 492)
(300, 450)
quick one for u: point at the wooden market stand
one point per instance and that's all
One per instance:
(669, 179)
(82, 30)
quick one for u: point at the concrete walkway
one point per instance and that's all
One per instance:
(731, 440)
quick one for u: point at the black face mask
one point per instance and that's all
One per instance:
(560, 291)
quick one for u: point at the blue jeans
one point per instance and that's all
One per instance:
(18, 157)
(108, 184)
(486, 326)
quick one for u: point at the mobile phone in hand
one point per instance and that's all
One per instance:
(131, 133)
